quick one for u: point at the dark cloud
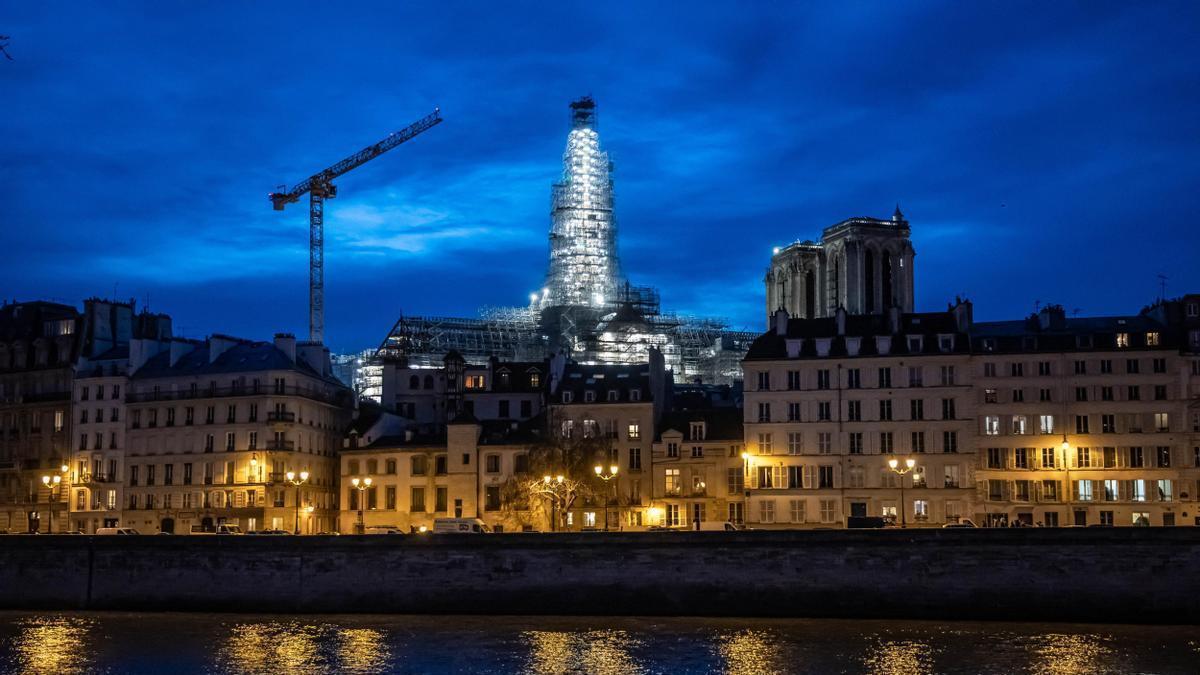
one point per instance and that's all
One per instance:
(1043, 151)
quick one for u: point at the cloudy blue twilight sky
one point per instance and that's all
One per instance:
(1042, 151)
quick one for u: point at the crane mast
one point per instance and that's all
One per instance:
(320, 187)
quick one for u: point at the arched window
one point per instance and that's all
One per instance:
(414, 382)
(869, 279)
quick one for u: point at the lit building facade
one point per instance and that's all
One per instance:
(699, 470)
(214, 427)
(38, 343)
(1089, 421)
(830, 401)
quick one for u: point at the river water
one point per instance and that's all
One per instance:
(96, 642)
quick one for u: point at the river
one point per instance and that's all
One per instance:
(125, 642)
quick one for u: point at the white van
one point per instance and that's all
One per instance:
(115, 530)
(459, 526)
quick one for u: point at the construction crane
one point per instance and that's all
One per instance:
(320, 187)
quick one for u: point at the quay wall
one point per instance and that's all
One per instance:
(1113, 575)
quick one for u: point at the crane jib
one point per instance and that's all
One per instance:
(357, 159)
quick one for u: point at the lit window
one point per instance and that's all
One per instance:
(1151, 339)
(1122, 339)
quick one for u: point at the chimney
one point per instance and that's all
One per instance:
(963, 315)
(286, 343)
(780, 320)
(1052, 317)
(218, 345)
(141, 351)
(179, 348)
(316, 355)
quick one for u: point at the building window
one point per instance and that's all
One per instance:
(915, 376)
(947, 376)
(921, 509)
(793, 412)
(795, 442)
(991, 425)
(764, 412)
(764, 380)
(1081, 424)
(671, 482)
(823, 379)
(491, 463)
(916, 409)
(1164, 456)
(947, 408)
(796, 510)
(735, 480)
(885, 442)
(824, 442)
(671, 515)
(989, 369)
(1162, 422)
(416, 500)
(918, 441)
(856, 443)
(793, 380)
(949, 441)
(854, 411)
(824, 413)
(828, 510)
(853, 378)
(634, 431)
(635, 459)
(885, 410)
(885, 378)
(766, 511)
(673, 449)
(765, 444)
(1122, 340)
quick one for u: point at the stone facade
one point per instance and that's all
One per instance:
(215, 426)
(863, 265)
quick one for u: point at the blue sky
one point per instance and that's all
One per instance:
(1042, 151)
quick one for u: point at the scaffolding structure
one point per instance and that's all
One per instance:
(586, 307)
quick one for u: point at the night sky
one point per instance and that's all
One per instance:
(1043, 151)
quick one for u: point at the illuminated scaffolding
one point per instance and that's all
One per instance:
(586, 307)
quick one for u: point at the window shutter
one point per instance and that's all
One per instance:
(753, 479)
(981, 491)
(808, 477)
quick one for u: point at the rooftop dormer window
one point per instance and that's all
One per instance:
(635, 395)
(946, 343)
(1152, 339)
(696, 431)
(612, 394)
(589, 396)
(567, 397)
(1122, 340)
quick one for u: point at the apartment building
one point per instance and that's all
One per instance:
(38, 343)
(407, 480)
(215, 427)
(512, 390)
(612, 412)
(698, 469)
(829, 402)
(110, 330)
(1088, 421)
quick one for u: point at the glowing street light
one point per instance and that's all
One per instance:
(606, 477)
(297, 480)
(894, 465)
(362, 485)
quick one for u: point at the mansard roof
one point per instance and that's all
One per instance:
(771, 345)
(243, 357)
(721, 424)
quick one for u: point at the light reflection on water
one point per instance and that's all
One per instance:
(604, 652)
(216, 643)
(300, 647)
(50, 645)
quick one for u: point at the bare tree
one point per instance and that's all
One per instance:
(559, 473)
(4, 47)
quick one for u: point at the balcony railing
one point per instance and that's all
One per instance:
(277, 416)
(332, 396)
(280, 445)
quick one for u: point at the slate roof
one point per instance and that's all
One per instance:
(721, 424)
(242, 357)
(579, 378)
(929, 325)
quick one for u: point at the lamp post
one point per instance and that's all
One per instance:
(606, 477)
(297, 480)
(361, 484)
(894, 465)
(551, 486)
(51, 482)
(1066, 449)
(745, 488)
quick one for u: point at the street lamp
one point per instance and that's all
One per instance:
(745, 488)
(894, 465)
(297, 481)
(254, 475)
(52, 482)
(606, 477)
(551, 486)
(361, 484)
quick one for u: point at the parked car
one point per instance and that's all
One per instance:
(102, 531)
(962, 522)
(382, 529)
(714, 526)
(270, 532)
(460, 526)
